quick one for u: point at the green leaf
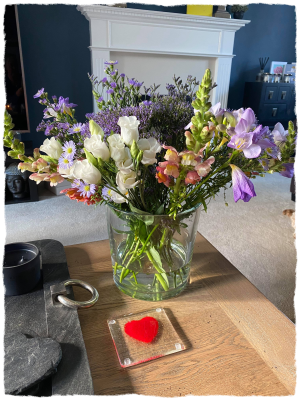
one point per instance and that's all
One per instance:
(160, 210)
(147, 220)
(49, 159)
(91, 159)
(118, 231)
(156, 257)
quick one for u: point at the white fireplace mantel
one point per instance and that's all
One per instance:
(126, 32)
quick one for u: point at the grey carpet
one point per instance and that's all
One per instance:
(255, 237)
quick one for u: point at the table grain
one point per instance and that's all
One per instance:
(238, 342)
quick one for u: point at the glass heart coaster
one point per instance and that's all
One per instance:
(131, 351)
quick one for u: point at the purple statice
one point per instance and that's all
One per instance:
(113, 84)
(131, 81)
(39, 93)
(86, 189)
(113, 73)
(77, 128)
(104, 80)
(63, 125)
(147, 102)
(100, 99)
(111, 62)
(138, 84)
(48, 129)
(69, 149)
(110, 91)
(85, 133)
(108, 119)
(122, 76)
(65, 162)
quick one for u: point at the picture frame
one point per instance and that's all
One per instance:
(278, 67)
(291, 69)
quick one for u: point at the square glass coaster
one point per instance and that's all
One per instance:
(131, 351)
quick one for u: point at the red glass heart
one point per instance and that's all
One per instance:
(143, 330)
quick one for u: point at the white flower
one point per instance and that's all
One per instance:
(87, 172)
(95, 129)
(97, 147)
(52, 147)
(116, 197)
(117, 147)
(150, 147)
(51, 112)
(129, 129)
(127, 163)
(279, 133)
(126, 179)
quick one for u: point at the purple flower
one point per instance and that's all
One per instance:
(113, 72)
(39, 93)
(100, 99)
(77, 128)
(138, 84)
(264, 163)
(69, 149)
(218, 112)
(105, 194)
(288, 170)
(54, 98)
(43, 101)
(131, 81)
(113, 84)
(64, 106)
(76, 183)
(111, 62)
(279, 133)
(48, 129)
(87, 189)
(104, 80)
(243, 141)
(147, 103)
(247, 121)
(65, 162)
(242, 186)
(122, 76)
(110, 91)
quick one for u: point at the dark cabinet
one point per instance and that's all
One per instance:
(271, 102)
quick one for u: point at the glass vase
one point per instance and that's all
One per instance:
(151, 254)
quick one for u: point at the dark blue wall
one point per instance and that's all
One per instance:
(55, 40)
(271, 33)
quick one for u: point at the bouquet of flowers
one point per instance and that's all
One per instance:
(153, 189)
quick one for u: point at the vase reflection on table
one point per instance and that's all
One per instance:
(151, 254)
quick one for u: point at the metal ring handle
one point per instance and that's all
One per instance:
(78, 304)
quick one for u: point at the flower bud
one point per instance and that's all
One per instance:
(221, 128)
(134, 150)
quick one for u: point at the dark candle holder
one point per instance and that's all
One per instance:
(21, 268)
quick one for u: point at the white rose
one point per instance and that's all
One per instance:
(52, 147)
(150, 147)
(127, 163)
(117, 147)
(129, 129)
(126, 179)
(97, 147)
(87, 172)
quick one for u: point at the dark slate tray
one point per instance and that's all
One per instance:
(33, 314)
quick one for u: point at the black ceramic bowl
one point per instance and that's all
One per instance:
(21, 268)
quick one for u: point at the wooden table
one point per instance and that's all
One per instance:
(238, 342)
